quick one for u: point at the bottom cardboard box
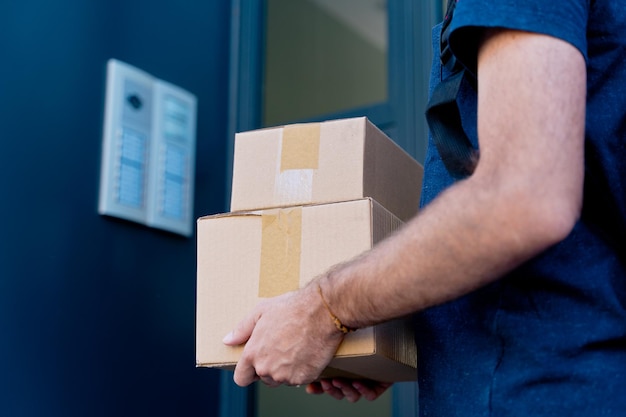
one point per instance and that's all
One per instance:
(244, 257)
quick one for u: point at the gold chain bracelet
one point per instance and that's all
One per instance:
(340, 326)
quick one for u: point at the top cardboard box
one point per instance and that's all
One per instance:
(325, 162)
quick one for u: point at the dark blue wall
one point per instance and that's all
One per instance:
(97, 315)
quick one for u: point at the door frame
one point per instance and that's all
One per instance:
(410, 54)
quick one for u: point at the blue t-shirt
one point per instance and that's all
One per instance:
(549, 339)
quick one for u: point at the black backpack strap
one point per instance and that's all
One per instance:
(442, 112)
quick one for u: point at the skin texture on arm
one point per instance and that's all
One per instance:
(524, 196)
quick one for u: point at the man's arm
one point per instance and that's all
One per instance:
(524, 196)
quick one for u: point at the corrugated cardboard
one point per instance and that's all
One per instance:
(324, 162)
(246, 256)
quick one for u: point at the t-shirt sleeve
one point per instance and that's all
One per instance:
(563, 19)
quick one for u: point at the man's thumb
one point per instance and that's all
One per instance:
(240, 334)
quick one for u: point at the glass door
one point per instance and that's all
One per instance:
(324, 57)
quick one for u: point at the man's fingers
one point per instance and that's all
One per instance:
(245, 374)
(351, 390)
(240, 334)
(372, 390)
(331, 390)
(314, 388)
(347, 390)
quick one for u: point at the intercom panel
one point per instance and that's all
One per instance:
(148, 150)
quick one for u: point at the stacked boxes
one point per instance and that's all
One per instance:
(304, 198)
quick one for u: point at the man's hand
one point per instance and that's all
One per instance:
(340, 388)
(289, 340)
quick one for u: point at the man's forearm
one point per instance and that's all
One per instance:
(467, 238)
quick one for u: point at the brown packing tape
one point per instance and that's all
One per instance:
(280, 252)
(301, 146)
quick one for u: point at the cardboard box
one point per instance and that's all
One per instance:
(324, 162)
(246, 256)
